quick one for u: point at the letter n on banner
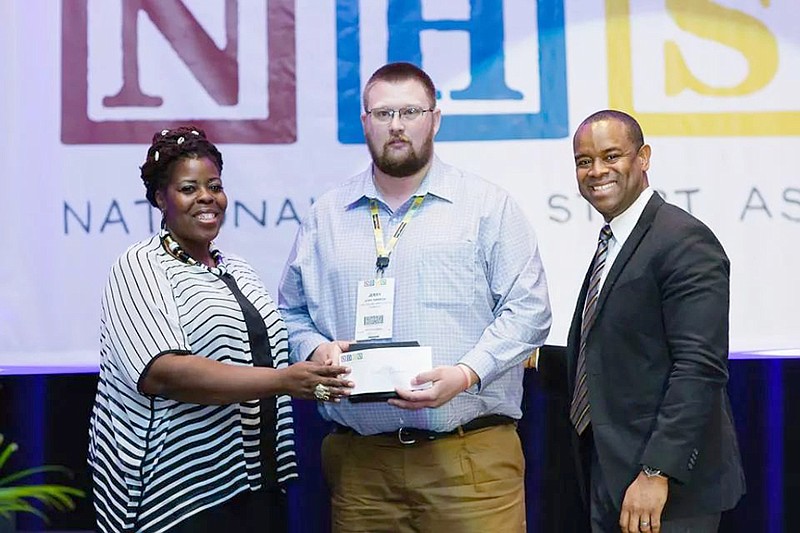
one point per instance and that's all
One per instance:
(132, 67)
(499, 65)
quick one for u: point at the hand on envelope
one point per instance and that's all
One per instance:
(447, 382)
(329, 351)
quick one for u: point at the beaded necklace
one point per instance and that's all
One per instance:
(172, 246)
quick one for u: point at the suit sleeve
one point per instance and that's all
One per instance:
(694, 282)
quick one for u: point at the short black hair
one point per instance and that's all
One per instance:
(631, 125)
(398, 72)
(168, 147)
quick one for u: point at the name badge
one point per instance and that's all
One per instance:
(375, 309)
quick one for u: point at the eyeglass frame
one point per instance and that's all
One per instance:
(399, 112)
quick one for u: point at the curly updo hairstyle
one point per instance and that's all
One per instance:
(170, 146)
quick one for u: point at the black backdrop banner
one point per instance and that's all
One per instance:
(47, 415)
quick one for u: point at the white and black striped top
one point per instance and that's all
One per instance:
(156, 461)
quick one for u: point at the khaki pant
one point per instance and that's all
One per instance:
(464, 483)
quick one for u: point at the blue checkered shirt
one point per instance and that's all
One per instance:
(469, 283)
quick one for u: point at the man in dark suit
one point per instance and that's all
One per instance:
(647, 354)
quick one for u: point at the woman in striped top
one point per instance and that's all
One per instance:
(192, 423)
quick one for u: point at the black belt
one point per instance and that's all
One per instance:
(413, 435)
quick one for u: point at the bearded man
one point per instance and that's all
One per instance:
(461, 273)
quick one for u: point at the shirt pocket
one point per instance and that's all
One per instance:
(446, 274)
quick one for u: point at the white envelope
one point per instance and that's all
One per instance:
(378, 371)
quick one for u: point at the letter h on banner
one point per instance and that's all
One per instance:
(124, 76)
(479, 114)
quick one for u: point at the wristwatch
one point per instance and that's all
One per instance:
(652, 472)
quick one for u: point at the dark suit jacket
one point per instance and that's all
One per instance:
(657, 364)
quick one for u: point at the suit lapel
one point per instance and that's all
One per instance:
(639, 231)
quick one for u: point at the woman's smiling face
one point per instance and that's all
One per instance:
(193, 202)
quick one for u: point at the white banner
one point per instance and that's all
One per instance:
(276, 84)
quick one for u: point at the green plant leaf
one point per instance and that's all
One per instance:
(20, 498)
(31, 471)
(6, 452)
(6, 508)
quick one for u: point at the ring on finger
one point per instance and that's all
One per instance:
(644, 523)
(322, 393)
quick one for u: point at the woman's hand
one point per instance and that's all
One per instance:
(302, 380)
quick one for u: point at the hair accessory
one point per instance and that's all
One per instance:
(155, 156)
(196, 132)
(164, 132)
(180, 140)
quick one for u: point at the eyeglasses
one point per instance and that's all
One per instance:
(384, 115)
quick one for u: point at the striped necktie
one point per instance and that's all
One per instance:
(579, 409)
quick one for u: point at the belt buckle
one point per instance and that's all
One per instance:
(408, 441)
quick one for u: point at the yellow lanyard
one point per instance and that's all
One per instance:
(384, 253)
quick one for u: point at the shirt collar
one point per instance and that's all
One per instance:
(434, 183)
(622, 225)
